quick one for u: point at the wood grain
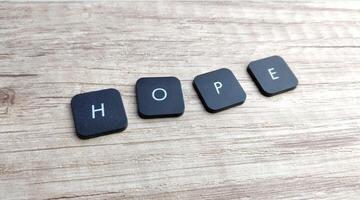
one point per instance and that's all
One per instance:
(303, 144)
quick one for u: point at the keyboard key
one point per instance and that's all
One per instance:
(272, 75)
(98, 113)
(219, 90)
(159, 97)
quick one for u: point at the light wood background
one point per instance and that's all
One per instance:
(304, 144)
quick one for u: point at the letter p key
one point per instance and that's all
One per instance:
(228, 91)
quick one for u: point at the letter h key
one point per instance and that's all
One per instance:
(98, 113)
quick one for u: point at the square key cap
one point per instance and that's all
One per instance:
(272, 75)
(219, 90)
(98, 113)
(159, 97)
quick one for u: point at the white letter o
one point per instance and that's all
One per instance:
(159, 99)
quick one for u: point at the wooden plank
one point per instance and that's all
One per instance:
(303, 144)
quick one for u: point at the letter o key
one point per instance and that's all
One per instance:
(159, 99)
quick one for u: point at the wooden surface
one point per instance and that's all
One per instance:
(303, 144)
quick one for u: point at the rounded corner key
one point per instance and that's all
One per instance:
(98, 113)
(219, 90)
(272, 75)
(159, 97)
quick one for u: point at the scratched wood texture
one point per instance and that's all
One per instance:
(304, 144)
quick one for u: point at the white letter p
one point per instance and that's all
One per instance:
(218, 85)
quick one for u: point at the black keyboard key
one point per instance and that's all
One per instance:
(98, 113)
(159, 97)
(272, 75)
(219, 90)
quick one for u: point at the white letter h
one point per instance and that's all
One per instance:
(97, 110)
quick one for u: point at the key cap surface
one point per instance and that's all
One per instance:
(159, 97)
(98, 113)
(272, 75)
(219, 90)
